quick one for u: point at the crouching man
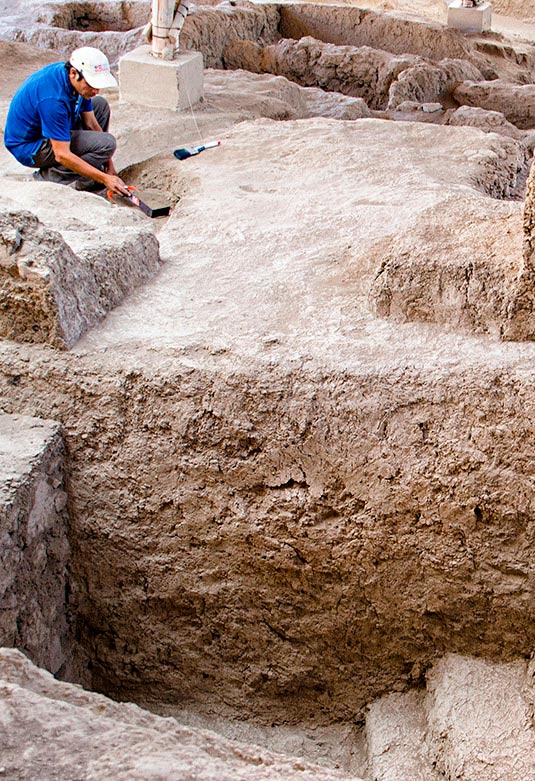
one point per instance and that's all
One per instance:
(58, 123)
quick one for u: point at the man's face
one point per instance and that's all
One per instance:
(81, 86)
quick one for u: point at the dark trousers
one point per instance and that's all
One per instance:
(93, 147)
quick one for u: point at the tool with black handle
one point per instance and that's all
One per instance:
(188, 151)
(154, 210)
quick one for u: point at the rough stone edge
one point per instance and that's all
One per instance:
(35, 552)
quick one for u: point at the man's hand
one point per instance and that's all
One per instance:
(115, 184)
(108, 178)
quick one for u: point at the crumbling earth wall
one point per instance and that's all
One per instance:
(55, 284)
(517, 8)
(349, 25)
(529, 219)
(290, 544)
(55, 730)
(470, 270)
(34, 554)
(472, 722)
(382, 79)
(515, 102)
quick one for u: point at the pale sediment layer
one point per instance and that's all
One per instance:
(54, 730)
(471, 722)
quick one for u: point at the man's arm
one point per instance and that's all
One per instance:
(109, 180)
(90, 121)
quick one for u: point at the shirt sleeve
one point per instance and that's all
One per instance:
(55, 120)
(87, 105)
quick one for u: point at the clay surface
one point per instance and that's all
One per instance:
(471, 276)
(516, 103)
(472, 721)
(481, 719)
(396, 730)
(255, 495)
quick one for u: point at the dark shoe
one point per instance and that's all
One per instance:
(88, 185)
(41, 175)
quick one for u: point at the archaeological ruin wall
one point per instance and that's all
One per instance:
(35, 553)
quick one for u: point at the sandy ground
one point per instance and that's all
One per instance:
(268, 264)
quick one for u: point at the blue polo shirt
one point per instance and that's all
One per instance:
(44, 106)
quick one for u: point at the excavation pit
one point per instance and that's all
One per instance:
(96, 17)
(161, 175)
(289, 530)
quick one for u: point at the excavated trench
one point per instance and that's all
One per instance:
(96, 17)
(286, 547)
(279, 544)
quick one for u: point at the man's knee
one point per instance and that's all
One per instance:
(92, 145)
(107, 144)
(89, 144)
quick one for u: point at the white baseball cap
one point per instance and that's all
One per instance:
(94, 67)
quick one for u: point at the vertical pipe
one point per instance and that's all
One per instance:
(162, 19)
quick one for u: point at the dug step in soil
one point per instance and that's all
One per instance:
(151, 202)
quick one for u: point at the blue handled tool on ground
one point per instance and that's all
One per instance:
(188, 151)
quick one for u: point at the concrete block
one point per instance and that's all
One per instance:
(149, 81)
(470, 20)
